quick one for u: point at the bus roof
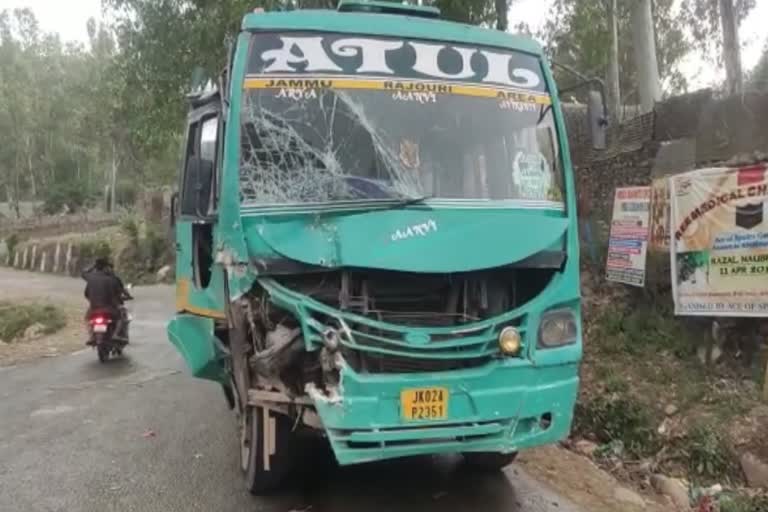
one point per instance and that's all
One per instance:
(393, 25)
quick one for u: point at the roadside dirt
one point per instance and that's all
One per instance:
(584, 483)
(68, 339)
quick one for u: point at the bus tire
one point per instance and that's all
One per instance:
(488, 462)
(265, 471)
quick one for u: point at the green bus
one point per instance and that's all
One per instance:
(377, 240)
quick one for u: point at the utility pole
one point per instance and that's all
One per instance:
(731, 49)
(645, 54)
(614, 88)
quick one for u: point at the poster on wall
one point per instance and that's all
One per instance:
(660, 207)
(628, 242)
(719, 252)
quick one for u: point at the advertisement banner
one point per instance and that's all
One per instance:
(660, 207)
(719, 256)
(628, 242)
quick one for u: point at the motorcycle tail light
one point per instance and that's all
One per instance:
(99, 320)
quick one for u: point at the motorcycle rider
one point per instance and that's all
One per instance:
(105, 292)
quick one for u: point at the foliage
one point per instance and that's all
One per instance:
(148, 250)
(702, 18)
(613, 418)
(646, 327)
(743, 503)
(11, 242)
(707, 453)
(758, 78)
(130, 228)
(91, 250)
(15, 319)
(577, 35)
(68, 196)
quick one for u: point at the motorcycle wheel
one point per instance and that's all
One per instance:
(103, 351)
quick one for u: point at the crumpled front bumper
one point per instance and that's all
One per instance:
(500, 408)
(495, 404)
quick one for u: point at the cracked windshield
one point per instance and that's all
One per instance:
(334, 118)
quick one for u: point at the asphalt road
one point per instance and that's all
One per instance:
(140, 434)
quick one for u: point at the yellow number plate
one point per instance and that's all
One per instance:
(424, 404)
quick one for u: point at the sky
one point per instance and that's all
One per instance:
(68, 17)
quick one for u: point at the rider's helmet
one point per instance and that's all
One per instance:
(101, 263)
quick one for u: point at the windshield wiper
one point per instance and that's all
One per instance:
(404, 203)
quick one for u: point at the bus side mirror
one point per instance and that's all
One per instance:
(197, 187)
(598, 119)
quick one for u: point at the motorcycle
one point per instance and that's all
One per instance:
(102, 325)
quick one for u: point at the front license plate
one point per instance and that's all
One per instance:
(424, 404)
(99, 328)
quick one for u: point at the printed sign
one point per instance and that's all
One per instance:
(334, 55)
(628, 243)
(660, 205)
(532, 175)
(719, 250)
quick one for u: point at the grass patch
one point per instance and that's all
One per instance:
(15, 319)
(707, 454)
(613, 419)
(741, 503)
(642, 329)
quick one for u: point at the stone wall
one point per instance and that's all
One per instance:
(681, 134)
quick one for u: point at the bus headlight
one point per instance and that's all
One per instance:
(510, 341)
(557, 328)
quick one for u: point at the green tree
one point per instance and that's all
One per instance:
(758, 78)
(578, 34)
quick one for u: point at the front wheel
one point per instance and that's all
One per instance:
(267, 448)
(488, 462)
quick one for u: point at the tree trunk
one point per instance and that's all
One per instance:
(30, 168)
(502, 15)
(614, 89)
(731, 49)
(645, 54)
(113, 180)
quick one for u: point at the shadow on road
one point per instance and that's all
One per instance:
(425, 484)
(112, 368)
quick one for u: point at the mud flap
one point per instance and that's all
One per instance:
(194, 339)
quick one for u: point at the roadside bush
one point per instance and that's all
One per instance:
(740, 503)
(11, 242)
(91, 250)
(130, 228)
(613, 418)
(74, 195)
(148, 251)
(646, 326)
(707, 453)
(125, 194)
(15, 319)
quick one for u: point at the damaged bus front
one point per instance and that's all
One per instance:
(377, 240)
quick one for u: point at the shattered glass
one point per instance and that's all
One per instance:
(322, 145)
